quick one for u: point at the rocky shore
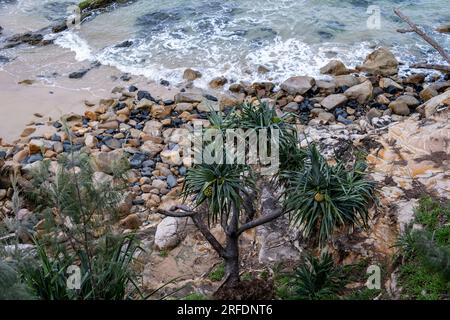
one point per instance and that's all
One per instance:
(398, 123)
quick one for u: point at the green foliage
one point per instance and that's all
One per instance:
(195, 297)
(79, 212)
(218, 273)
(322, 198)
(220, 186)
(425, 269)
(11, 288)
(317, 278)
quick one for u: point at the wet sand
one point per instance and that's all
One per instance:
(51, 93)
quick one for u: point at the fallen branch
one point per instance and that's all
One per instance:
(439, 67)
(424, 36)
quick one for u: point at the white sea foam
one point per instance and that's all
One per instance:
(72, 41)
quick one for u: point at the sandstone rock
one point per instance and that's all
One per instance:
(416, 78)
(170, 232)
(105, 161)
(125, 204)
(409, 100)
(380, 62)
(131, 222)
(333, 100)
(208, 105)
(27, 131)
(159, 184)
(229, 100)
(109, 125)
(160, 112)
(373, 113)
(191, 74)
(100, 178)
(361, 92)
(326, 117)
(298, 85)
(92, 116)
(90, 141)
(152, 148)
(153, 128)
(328, 87)
(171, 157)
(433, 105)
(346, 80)
(382, 99)
(218, 82)
(188, 97)
(387, 82)
(334, 67)
(145, 104)
(428, 93)
(36, 146)
(181, 107)
(399, 107)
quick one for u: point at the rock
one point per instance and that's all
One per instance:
(291, 107)
(159, 184)
(385, 83)
(416, 78)
(153, 128)
(171, 157)
(145, 104)
(142, 94)
(207, 106)
(2, 194)
(434, 105)
(333, 100)
(160, 112)
(328, 87)
(346, 81)
(112, 143)
(218, 82)
(399, 107)
(27, 131)
(171, 181)
(443, 29)
(409, 100)
(373, 113)
(109, 125)
(100, 178)
(325, 117)
(428, 93)
(170, 232)
(298, 85)
(105, 161)
(181, 107)
(191, 74)
(334, 67)
(152, 148)
(382, 99)
(36, 146)
(79, 74)
(229, 100)
(236, 88)
(131, 222)
(90, 141)
(188, 97)
(361, 92)
(380, 62)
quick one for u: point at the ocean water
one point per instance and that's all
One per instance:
(233, 38)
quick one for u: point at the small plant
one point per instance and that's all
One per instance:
(195, 297)
(218, 273)
(322, 198)
(317, 278)
(11, 287)
(163, 253)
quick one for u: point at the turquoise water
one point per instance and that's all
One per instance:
(233, 38)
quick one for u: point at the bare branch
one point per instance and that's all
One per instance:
(424, 36)
(197, 219)
(439, 67)
(208, 235)
(405, 30)
(261, 220)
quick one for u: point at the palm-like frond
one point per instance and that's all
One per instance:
(322, 198)
(219, 185)
(317, 278)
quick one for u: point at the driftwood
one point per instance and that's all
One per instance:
(428, 39)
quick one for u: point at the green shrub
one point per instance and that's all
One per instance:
(11, 288)
(322, 198)
(218, 273)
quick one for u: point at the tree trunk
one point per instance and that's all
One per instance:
(232, 261)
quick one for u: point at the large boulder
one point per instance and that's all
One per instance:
(380, 62)
(361, 92)
(335, 68)
(298, 85)
(170, 232)
(435, 105)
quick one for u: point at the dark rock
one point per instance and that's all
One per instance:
(182, 171)
(145, 95)
(56, 137)
(171, 181)
(210, 97)
(343, 120)
(57, 124)
(133, 89)
(112, 143)
(125, 77)
(168, 102)
(164, 83)
(148, 163)
(138, 202)
(137, 159)
(35, 157)
(78, 74)
(4, 59)
(124, 44)
(2, 155)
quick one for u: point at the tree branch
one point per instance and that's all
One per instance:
(200, 225)
(261, 220)
(424, 36)
(439, 67)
